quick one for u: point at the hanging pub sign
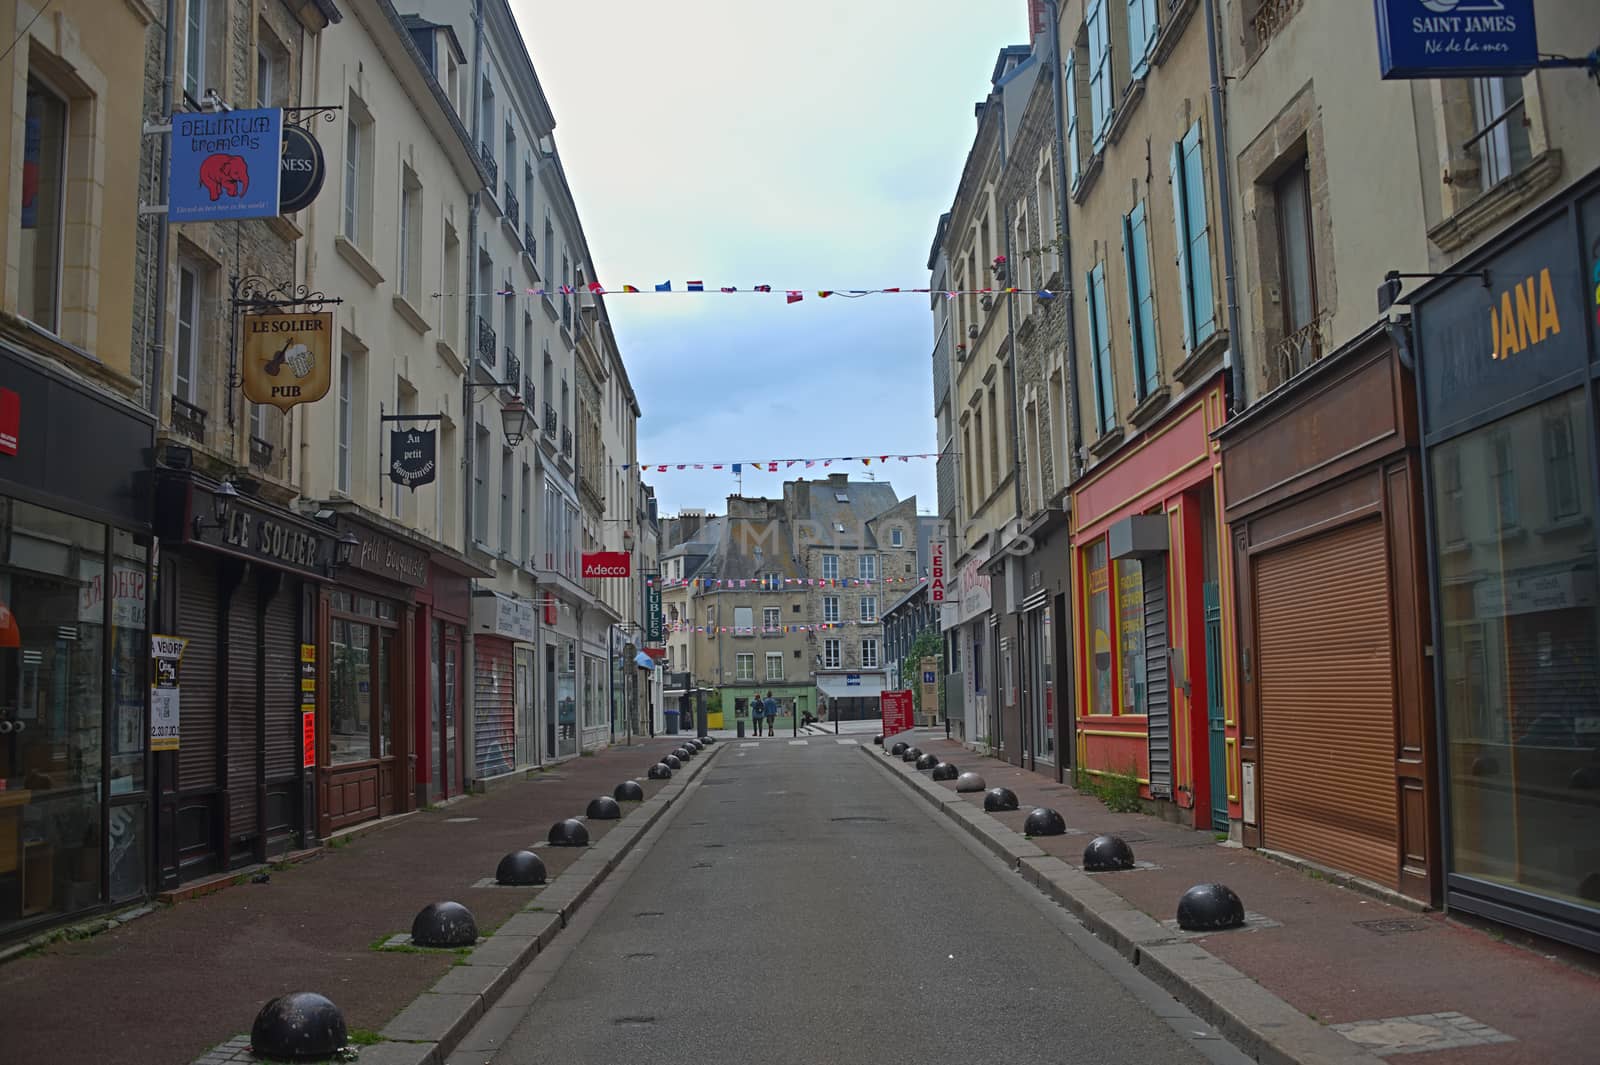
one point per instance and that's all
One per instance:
(1456, 38)
(301, 170)
(225, 165)
(287, 358)
(413, 458)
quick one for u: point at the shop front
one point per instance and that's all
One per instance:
(968, 643)
(557, 639)
(1044, 730)
(1151, 706)
(1506, 368)
(1323, 501)
(793, 699)
(75, 525)
(443, 612)
(368, 724)
(237, 583)
(504, 732)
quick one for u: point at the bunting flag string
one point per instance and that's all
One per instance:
(790, 295)
(815, 626)
(774, 465)
(774, 584)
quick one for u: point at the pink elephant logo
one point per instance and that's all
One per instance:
(225, 173)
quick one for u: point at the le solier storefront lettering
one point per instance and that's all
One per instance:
(260, 535)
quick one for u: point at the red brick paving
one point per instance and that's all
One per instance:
(162, 989)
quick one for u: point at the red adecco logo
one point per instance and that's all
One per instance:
(607, 564)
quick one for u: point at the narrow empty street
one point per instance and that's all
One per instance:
(800, 906)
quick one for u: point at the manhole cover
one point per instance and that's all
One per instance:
(1394, 926)
(878, 820)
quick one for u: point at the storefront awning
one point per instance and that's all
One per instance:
(644, 661)
(850, 685)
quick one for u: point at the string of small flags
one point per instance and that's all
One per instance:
(775, 584)
(818, 626)
(790, 295)
(773, 465)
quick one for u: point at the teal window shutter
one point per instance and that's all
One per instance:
(1180, 215)
(1199, 237)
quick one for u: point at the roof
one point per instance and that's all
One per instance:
(865, 500)
(921, 587)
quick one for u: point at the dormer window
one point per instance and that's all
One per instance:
(841, 496)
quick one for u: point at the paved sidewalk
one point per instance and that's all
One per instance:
(1393, 981)
(163, 989)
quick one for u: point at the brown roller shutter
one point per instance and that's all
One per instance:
(244, 641)
(281, 635)
(1327, 702)
(197, 679)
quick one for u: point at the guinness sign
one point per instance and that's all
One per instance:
(413, 457)
(302, 170)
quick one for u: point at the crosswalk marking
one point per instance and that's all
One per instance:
(749, 744)
(850, 742)
(798, 743)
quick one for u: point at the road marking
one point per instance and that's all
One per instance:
(749, 744)
(852, 743)
(798, 743)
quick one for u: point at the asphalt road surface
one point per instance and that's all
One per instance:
(800, 906)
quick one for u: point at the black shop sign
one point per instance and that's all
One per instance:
(413, 458)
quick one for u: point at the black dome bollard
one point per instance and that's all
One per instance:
(1210, 908)
(707, 740)
(1107, 854)
(927, 761)
(969, 782)
(945, 771)
(660, 771)
(911, 754)
(682, 754)
(628, 791)
(899, 748)
(299, 1026)
(1043, 821)
(569, 833)
(1000, 799)
(698, 745)
(672, 761)
(604, 808)
(520, 868)
(444, 924)
(878, 740)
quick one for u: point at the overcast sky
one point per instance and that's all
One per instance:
(803, 146)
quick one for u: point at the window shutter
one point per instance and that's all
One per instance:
(1136, 38)
(1180, 216)
(1072, 117)
(1205, 304)
(1133, 291)
(1144, 286)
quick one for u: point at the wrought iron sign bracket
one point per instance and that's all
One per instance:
(304, 116)
(409, 417)
(256, 293)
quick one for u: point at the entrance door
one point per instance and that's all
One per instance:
(454, 755)
(437, 784)
(549, 698)
(1041, 666)
(527, 730)
(1215, 717)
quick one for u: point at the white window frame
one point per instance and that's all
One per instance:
(869, 608)
(186, 358)
(830, 609)
(351, 221)
(897, 537)
(830, 654)
(869, 653)
(830, 567)
(771, 618)
(867, 567)
(774, 658)
(507, 495)
(346, 416)
(194, 49)
(744, 666)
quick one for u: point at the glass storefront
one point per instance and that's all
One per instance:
(73, 653)
(1098, 584)
(360, 679)
(566, 677)
(1514, 507)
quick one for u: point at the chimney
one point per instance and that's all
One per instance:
(1038, 19)
(838, 480)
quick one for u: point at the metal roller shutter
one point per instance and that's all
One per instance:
(281, 634)
(244, 640)
(494, 708)
(197, 679)
(1327, 702)
(1157, 692)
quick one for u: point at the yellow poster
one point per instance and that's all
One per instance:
(287, 358)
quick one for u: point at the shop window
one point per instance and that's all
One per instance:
(1521, 666)
(1097, 584)
(1130, 633)
(977, 661)
(350, 718)
(830, 654)
(745, 667)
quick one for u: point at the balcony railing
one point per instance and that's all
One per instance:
(551, 422)
(528, 396)
(566, 311)
(513, 208)
(529, 243)
(1297, 352)
(188, 419)
(513, 374)
(486, 154)
(486, 341)
(566, 442)
(260, 452)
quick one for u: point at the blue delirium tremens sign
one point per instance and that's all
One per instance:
(225, 164)
(1456, 38)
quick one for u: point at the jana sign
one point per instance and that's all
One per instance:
(607, 564)
(287, 358)
(225, 164)
(1456, 38)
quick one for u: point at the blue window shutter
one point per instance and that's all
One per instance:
(1180, 217)
(1072, 117)
(1095, 327)
(1138, 15)
(1099, 71)
(1150, 348)
(1205, 304)
(1105, 383)
(1134, 348)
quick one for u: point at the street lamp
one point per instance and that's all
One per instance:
(345, 549)
(222, 497)
(515, 421)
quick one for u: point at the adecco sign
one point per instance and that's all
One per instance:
(607, 564)
(1456, 38)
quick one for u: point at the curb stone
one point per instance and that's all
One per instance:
(1248, 1015)
(435, 1023)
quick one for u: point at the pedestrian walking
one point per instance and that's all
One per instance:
(771, 705)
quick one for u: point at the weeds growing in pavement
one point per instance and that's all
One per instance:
(1118, 790)
(364, 1037)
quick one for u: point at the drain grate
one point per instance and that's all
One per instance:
(713, 846)
(630, 1021)
(651, 913)
(876, 820)
(644, 956)
(1394, 926)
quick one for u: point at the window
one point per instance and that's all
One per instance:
(896, 537)
(450, 303)
(994, 441)
(410, 235)
(346, 417)
(1070, 76)
(42, 221)
(1452, 523)
(506, 489)
(745, 666)
(204, 27)
(1560, 468)
(975, 461)
(830, 609)
(867, 567)
(1505, 480)
(549, 256)
(1142, 31)
(869, 654)
(1500, 131)
(830, 654)
(830, 567)
(1101, 97)
(1101, 638)
(1105, 393)
(186, 345)
(1187, 173)
(272, 69)
(841, 496)
(771, 619)
(1141, 302)
(774, 665)
(744, 619)
(358, 153)
(480, 486)
(486, 129)
(525, 557)
(1130, 629)
(869, 608)
(258, 428)
(1292, 197)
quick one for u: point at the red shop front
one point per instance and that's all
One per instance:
(1154, 703)
(443, 607)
